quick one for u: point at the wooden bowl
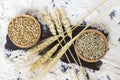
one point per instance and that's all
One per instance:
(91, 48)
(24, 31)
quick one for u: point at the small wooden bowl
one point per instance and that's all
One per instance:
(24, 31)
(78, 51)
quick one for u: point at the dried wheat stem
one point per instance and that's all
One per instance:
(47, 19)
(81, 68)
(76, 76)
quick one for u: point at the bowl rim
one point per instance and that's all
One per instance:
(99, 33)
(32, 44)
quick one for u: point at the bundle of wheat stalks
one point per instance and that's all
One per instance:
(55, 25)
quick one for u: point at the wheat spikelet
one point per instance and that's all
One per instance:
(65, 22)
(47, 19)
(56, 19)
(44, 58)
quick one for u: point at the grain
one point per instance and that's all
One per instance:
(24, 31)
(91, 45)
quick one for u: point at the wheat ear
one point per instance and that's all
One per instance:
(44, 58)
(47, 19)
(42, 45)
(56, 19)
(65, 21)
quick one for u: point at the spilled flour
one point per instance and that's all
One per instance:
(107, 18)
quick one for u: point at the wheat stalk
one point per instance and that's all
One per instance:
(66, 23)
(59, 22)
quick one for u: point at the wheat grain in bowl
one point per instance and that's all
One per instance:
(24, 31)
(91, 45)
